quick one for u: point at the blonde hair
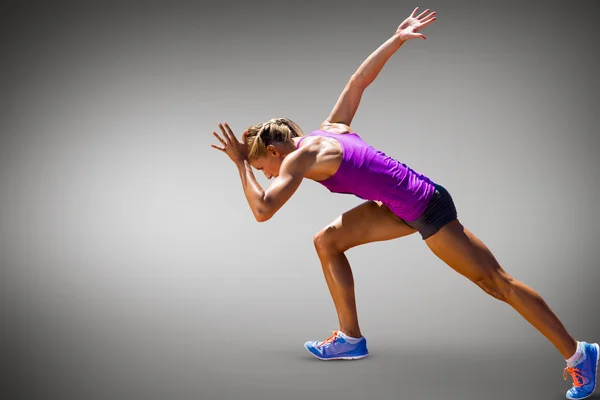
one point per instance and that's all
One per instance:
(275, 130)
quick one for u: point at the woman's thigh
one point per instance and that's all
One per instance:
(465, 253)
(366, 223)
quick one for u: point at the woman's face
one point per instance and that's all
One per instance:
(269, 164)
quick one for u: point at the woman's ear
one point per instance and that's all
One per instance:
(272, 150)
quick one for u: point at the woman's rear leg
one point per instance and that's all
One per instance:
(470, 257)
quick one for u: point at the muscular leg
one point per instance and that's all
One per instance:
(466, 254)
(368, 222)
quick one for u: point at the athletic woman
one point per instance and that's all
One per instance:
(399, 202)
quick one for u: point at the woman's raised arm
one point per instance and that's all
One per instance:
(345, 108)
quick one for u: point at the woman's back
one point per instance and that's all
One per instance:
(371, 175)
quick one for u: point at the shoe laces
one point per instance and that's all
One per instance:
(330, 339)
(578, 378)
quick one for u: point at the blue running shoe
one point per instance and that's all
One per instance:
(584, 373)
(336, 347)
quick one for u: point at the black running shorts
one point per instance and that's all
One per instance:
(439, 212)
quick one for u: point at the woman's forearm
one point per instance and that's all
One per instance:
(372, 66)
(254, 193)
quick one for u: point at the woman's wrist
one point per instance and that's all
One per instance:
(398, 39)
(242, 163)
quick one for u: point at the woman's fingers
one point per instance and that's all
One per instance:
(414, 12)
(422, 14)
(230, 132)
(428, 18)
(225, 134)
(424, 24)
(219, 139)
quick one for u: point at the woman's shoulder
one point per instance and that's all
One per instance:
(335, 127)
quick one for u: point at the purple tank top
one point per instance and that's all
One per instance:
(371, 175)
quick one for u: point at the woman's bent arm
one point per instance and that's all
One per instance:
(264, 204)
(252, 190)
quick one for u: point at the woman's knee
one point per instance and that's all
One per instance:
(496, 283)
(328, 240)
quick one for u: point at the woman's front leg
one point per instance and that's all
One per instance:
(368, 222)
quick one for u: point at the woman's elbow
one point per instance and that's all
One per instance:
(262, 216)
(358, 80)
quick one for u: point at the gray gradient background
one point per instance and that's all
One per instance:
(132, 267)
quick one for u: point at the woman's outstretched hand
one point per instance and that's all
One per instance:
(413, 24)
(237, 151)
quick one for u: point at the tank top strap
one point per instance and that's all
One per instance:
(326, 134)
(313, 133)
(300, 141)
